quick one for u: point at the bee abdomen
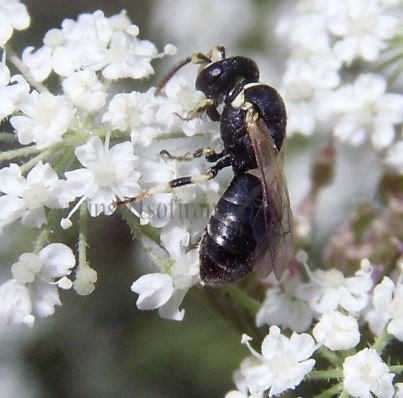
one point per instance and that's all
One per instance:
(228, 245)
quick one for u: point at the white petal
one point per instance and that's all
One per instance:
(11, 208)
(11, 180)
(19, 16)
(38, 62)
(43, 174)
(34, 218)
(57, 260)
(174, 238)
(80, 182)
(15, 304)
(6, 29)
(64, 62)
(44, 298)
(170, 310)
(303, 345)
(154, 290)
(90, 152)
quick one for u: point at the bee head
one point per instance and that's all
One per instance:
(217, 79)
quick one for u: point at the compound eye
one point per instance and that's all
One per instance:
(216, 71)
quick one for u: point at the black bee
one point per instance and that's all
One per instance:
(250, 228)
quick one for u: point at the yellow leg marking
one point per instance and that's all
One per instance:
(200, 108)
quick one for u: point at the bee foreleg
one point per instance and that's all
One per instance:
(207, 105)
(209, 153)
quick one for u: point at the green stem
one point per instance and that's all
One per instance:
(325, 374)
(18, 153)
(33, 162)
(344, 394)
(331, 356)
(64, 162)
(82, 236)
(396, 41)
(41, 240)
(245, 301)
(7, 137)
(330, 392)
(15, 59)
(135, 227)
(396, 369)
(381, 342)
(390, 61)
(395, 74)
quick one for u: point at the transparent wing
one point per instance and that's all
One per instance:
(275, 248)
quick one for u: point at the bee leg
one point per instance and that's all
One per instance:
(209, 153)
(178, 182)
(207, 105)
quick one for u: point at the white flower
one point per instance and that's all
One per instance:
(365, 374)
(147, 116)
(46, 118)
(134, 112)
(281, 307)
(85, 91)
(16, 306)
(129, 57)
(303, 79)
(284, 362)
(180, 99)
(11, 90)
(94, 42)
(302, 118)
(13, 15)
(337, 331)
(167, 291)
(154, 290)
(306, 84)
(77, 45)
(387, 309)
(107, 174)
(363, 29)
(27, 197)
(327, 290)
(364, 109)
(39, 62)
(33, 290)
(305, 31)
(239, 375)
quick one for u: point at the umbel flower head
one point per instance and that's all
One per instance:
(283, 364)
(366, 374)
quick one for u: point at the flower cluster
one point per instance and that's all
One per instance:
(88, 145)
(33, 290)
(324, 88)
(342, 306)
